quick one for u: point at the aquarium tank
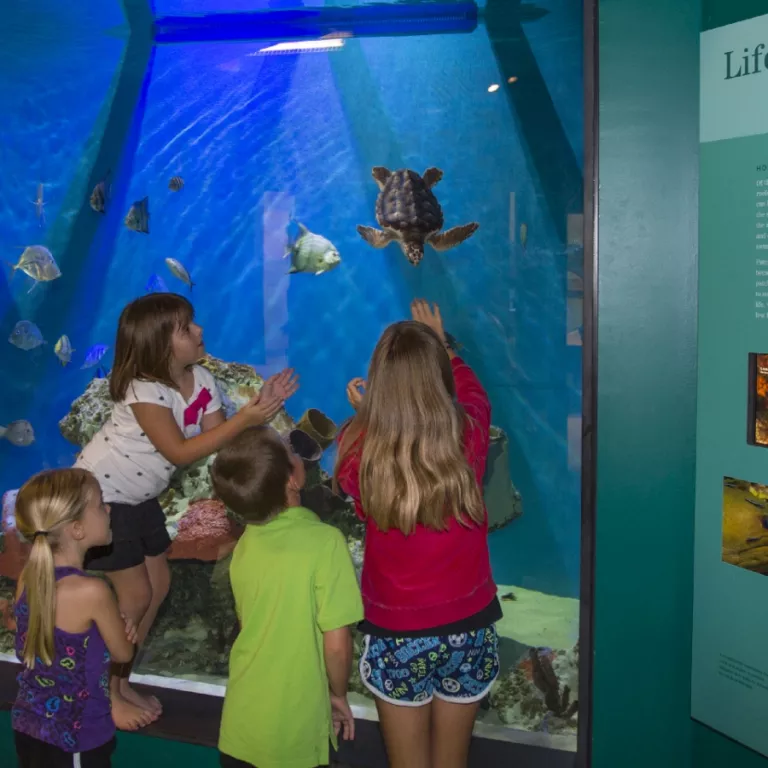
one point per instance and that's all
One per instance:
(186, 146)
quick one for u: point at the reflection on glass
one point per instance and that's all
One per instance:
(238, 146)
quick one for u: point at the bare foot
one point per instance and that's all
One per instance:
(127, 716)
(149, 703)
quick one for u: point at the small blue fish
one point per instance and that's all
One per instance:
(156, 284)
(94, 355)
(26, 335)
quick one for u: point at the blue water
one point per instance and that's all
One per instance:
(260, 138)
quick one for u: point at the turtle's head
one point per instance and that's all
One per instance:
(413, 250)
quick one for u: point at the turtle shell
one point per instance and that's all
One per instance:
(407, 206)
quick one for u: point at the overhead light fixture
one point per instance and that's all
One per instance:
(493, 88)
(512, 80)
(302, 46)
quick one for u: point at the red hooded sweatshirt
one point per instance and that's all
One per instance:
(429, 578)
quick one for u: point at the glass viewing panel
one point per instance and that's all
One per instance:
(234, 144)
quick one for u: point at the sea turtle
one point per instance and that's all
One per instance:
(409, 213)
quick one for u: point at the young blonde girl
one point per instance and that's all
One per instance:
(69, 626)
(167, 413)
(413, 459)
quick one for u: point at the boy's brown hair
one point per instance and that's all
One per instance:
(250, 473)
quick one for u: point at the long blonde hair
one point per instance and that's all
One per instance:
(45, 504)
(412, 468)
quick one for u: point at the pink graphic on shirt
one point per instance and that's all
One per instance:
(193, 410)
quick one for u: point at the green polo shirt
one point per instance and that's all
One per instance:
(293, 579)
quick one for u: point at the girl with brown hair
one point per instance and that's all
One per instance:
(167, 412)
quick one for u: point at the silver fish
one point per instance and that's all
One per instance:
(26, 335)
(101, 194)
(311, 253)
(37, 262)
(63, 350)
(176, 183)
(39, 204)
(137, 218)
(19, 433)
(180, 271)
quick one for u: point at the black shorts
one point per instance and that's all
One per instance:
(138, 531)
(33, 753)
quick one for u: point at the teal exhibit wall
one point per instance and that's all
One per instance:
(648, 142)
(647, 335)
(729, 675)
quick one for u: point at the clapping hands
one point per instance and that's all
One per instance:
(282, 384)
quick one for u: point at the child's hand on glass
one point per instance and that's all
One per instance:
(430, 316)
(261, 408)
(355, 392)
(283, 384)
(343, 719)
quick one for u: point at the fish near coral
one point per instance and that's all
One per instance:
(410, 215)
(19, 433)
(63, 350)
(93, 355)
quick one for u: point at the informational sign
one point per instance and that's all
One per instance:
(730, 621)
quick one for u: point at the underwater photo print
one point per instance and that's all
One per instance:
(745, 524)
(757, 400)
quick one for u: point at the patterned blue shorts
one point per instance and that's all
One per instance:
(411, 670)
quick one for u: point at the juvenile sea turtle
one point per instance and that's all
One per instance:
(409, 213)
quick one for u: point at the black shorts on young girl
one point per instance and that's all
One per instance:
(410, 671)
(138, 531)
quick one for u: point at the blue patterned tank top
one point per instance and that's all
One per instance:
(66, 704)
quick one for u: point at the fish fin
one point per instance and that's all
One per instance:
(302, 229)
(13, 268)
(34, 285)
(320, 272)
(292, 271)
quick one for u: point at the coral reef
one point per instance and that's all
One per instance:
(540, 693)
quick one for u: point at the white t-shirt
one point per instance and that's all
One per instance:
(127, 465)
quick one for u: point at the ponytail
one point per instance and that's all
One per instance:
(40, 585)
(46, 503)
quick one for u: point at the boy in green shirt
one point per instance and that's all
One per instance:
(296, 595)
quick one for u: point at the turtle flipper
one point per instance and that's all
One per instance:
(442, 241)
(375, 237)
(381, 174)
(432, 176)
